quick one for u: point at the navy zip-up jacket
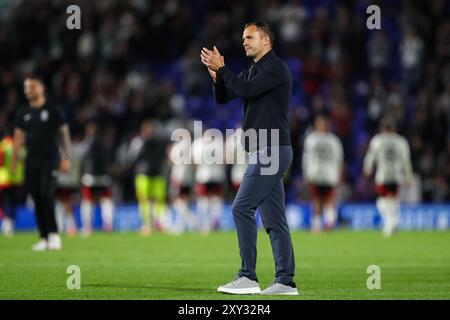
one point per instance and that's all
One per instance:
(266, 93)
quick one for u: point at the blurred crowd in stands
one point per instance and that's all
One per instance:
(136, 59)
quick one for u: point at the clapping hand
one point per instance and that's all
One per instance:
(213, 60)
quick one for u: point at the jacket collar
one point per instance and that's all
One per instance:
(267, 57)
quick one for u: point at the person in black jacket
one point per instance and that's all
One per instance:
(265, 88)
(43, 128)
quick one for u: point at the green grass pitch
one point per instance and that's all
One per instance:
(414, 265)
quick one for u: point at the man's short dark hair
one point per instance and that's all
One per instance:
(322, 115)
(263, 27)
(388, 124)
(37, 78)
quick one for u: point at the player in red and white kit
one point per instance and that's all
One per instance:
(209, 183)
(236, 155)
(96, 180)
(67, 193)
(181, 185)
(389, 153)
(322, 168)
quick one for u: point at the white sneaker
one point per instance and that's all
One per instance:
(241, 285)
(54, 242)
(276, 288)
(40, 246)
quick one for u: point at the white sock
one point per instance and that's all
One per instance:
(86, 215)
(107, 208)
(184, 215)
(153, 216)
(70, 221)
(216, 204)
(387, 208)
(392, 209)
(380, 203)
(316, 223)
(202, 214)
(330, 216)
(7, 226)
(60, 212)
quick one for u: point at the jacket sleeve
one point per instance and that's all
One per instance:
(222, 93)
(268, 78)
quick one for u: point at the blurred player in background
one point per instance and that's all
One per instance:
(181, 186)
(150, 155)
(322, 167)
(96, 180)
(68, 189)
(39, 126)
(209, 183)
(12, 189)
(389, 153)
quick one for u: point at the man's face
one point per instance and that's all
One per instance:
(33, 89)
(147, 130)
(90, 129)
(321, 125)
(253, 41)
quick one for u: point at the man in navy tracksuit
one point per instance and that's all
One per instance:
(265, 87)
